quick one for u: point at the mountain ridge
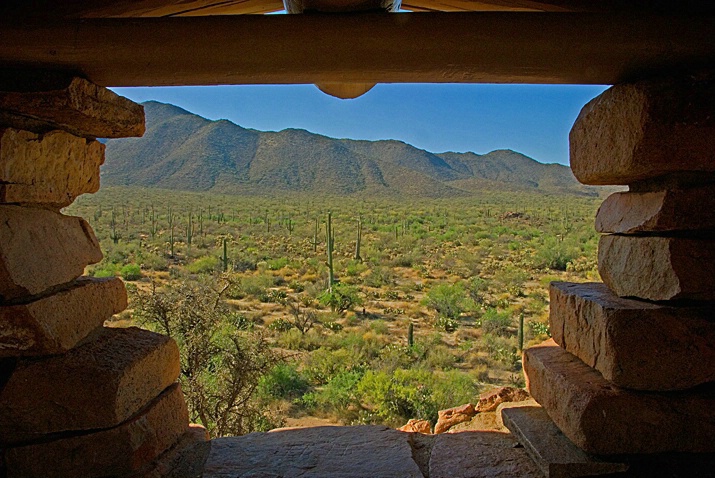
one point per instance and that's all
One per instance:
(184, 151)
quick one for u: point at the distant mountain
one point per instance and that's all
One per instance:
(181, 150)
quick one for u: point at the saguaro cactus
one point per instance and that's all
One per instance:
(330, 242)
(358, 240)
(520, 336)
(224, 259)
(315, 241)
(411, 335)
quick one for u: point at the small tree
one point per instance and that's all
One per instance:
(220, 365)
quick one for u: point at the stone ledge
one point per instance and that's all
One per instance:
(41, 249)
(95, 386)
(119, 451)
(603, 419)
(50, 169)
(551, 451)
(337, 452)
(658, 268)
(56, 323)
(643, 130)
(41, 102)
(634, 344)
(660, 211)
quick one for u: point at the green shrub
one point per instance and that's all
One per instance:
(131, 272)
(282, 381)
(497, 323)
(343, 297)
(447, 299)
(204, 265)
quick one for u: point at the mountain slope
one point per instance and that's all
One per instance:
(181, 150)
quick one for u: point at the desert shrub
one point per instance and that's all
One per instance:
(497, 323)
(556, 254)
(131, 272)
(277, 264)
(105, 270)
(281, 325)
(379, 276)
(154, 262)
(282, 381)
(204, 265)
(343, 297)
(220, 366)
(448, 300)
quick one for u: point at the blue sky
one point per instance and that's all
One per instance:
(532, 119)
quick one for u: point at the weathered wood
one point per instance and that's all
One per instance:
(364, 48)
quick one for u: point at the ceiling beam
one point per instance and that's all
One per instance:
(364, 48)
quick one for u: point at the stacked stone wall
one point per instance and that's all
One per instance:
(630, 369)
(76, 398)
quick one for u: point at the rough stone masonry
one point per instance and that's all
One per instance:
(78, 399)
(630, 367)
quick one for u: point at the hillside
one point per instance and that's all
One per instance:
(184, 151)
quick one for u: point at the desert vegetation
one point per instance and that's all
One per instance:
(408, 308)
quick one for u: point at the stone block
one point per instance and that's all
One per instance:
(603, 419)
(49, 169)
(479, 454)
(118, 451)
(337, 452)
(551, 451)
(55, 101)
(659, 211)
(55, 323)
(95, 386)
(648, 129)
(634, 344)
(41, 249)
(658, 268)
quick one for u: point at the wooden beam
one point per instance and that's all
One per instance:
(365, 48)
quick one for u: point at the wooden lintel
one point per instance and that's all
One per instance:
(365, 48)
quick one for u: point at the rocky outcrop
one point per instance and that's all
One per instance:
(452, 416)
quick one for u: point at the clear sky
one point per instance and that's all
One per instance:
(531, 119)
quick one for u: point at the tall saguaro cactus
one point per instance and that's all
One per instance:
(358, 240)
(224, 259)
(330, 242)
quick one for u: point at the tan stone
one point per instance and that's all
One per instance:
(336, 452)
(72, 104)
(658, 268)
(479, 422)
(115, 452)
(601, 418)
(634, 344)
(417, 426)
(480, 454)
(40, 249)
(56, 323)
(50, 169)
(97, 385)
(660, 211)
(450, 417)
(490, 400)
(643, 130)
